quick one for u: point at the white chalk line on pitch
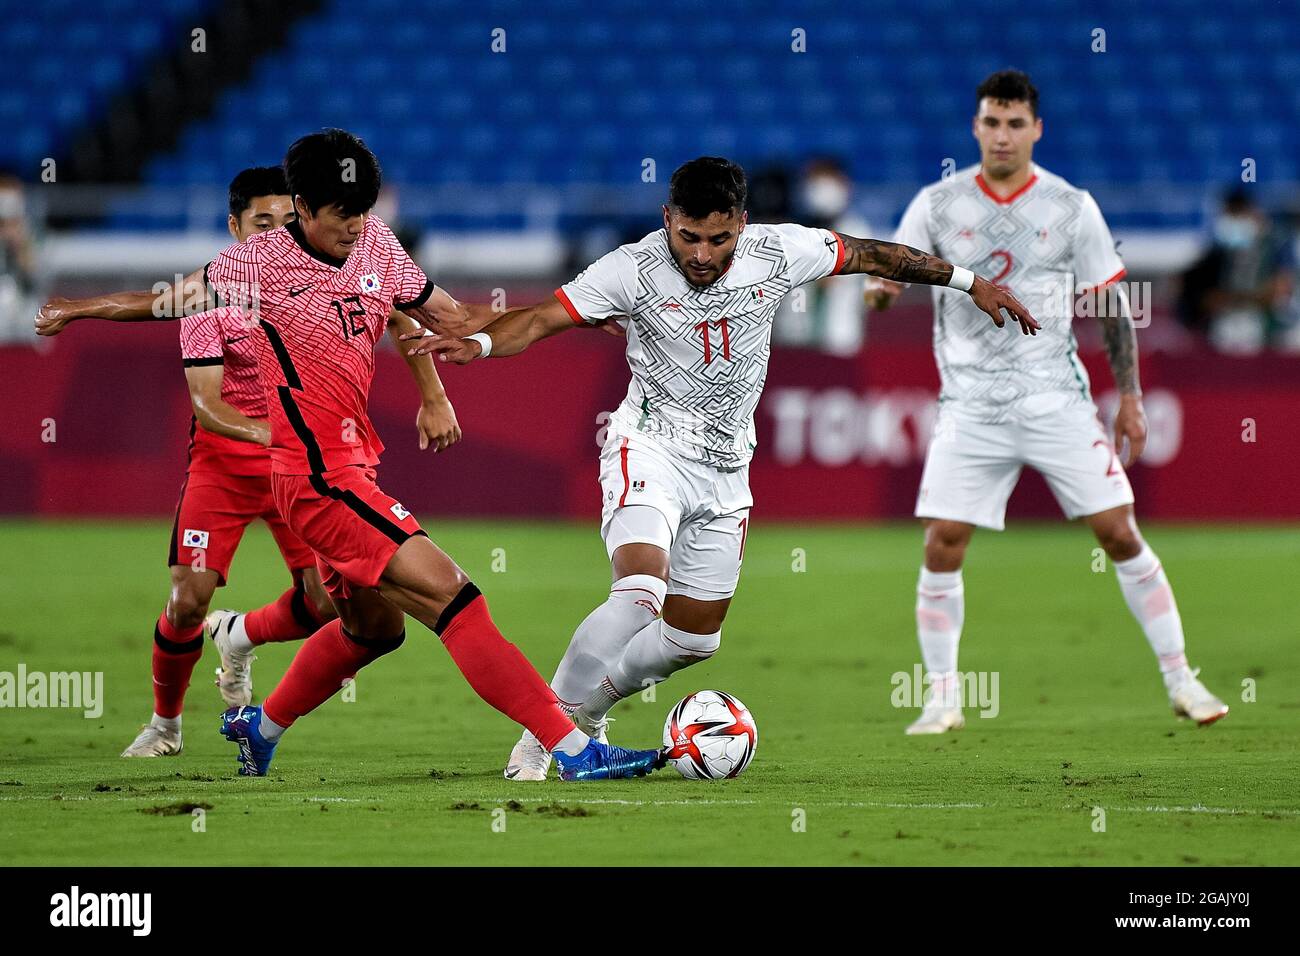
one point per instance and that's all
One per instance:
(746, 803)
(871, 804)
(65, 798)
(1198, 808)
(843, 804)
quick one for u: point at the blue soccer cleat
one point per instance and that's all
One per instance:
(243, 726)
(606, 762)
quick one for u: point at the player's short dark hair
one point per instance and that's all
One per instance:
(253, 182)
(333, 168)
(1009, 86)
(707, 185)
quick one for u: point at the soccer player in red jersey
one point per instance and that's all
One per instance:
(228, 483)
(318, 294)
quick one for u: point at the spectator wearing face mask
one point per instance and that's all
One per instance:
(1288, 337)
(1236, 293)
(829, 314)
(17, 262)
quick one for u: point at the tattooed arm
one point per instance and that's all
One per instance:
(1112, 308)
(445, 315)
(892, 260)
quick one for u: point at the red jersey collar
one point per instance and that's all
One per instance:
(1005, 200)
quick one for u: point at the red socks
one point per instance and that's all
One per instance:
(289, 618)
(494, 667)
(497, 670)
(174, 655)
(318, 670)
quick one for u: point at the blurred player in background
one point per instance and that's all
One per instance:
(1008, 402)
(318, 294)
(701, 294)
(228, 478)
(17, 259)
(825, 315)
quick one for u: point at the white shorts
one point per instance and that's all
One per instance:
(972, 467)
(703, 513)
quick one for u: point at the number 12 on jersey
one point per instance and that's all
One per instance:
(704, 329)
(351, 327)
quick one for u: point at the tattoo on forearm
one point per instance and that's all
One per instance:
(1121, 340)
(892, 260)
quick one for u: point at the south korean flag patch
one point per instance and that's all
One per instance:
(370, 284)
(195, 539)
(402, 513)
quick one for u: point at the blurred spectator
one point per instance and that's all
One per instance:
(387, 208)
(1288, 339)
(828, 315)
(1236, 292)
(18, 298)
(770, 194)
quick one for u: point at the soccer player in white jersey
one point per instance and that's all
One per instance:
(1008, 402)
(700, 294)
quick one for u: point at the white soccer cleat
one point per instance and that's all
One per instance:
(235, 676)
(1191, 699)
(936, 718)
(154, 742)
(529, 760)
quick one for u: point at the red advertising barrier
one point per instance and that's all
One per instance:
(96, 424)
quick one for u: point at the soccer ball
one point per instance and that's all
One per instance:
(710, 735)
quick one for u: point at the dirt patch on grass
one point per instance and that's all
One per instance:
(175, 809)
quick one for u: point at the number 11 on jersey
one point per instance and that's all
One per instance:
(703, 329)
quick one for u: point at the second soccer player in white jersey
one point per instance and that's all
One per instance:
(1008, 402)
(700, 295)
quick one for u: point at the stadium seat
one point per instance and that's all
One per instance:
(589, 92)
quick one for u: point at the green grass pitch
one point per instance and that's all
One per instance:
(410, 772)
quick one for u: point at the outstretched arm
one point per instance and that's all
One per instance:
(436, 419)
(216, 415)
(1112, 309)
(165, 301)
(443, 314)
(892, 260)
(509, 334)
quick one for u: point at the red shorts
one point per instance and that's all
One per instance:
(213, 511)
(354, 528)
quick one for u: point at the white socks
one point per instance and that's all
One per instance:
(573, 743)
(656, 651)
(634, 602)
(239, 642)
(1149, 597)
(269, 729)
(172, 724)
(940, 611)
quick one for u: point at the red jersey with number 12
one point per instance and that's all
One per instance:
(317, 321)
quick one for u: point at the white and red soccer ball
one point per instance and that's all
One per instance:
(710, 735)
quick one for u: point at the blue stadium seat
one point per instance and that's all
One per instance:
(585, 92)
(101, 48)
